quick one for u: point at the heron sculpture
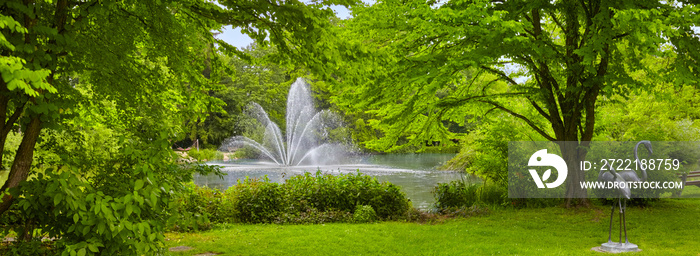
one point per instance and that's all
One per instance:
(624, 194)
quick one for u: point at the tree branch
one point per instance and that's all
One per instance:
(18, 112)
(586, 10)
(521, 117)
(500, 74)
(539, 109)
(548, 93)
(145, 24)
(556, 21)
(451, 101)
(621, 35)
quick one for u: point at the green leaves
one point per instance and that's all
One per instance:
(7, 22)
(19, 78)
(93, 248)
(129, 210)
(57, 199)
(111, 223)
(111, 84)
(138, 184)
(429, 64)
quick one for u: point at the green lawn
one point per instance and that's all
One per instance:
(691, 192)
(670, 227)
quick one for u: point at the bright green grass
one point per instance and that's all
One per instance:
(691, 192)
(670, 227)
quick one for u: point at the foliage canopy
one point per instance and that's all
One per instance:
(127, 74)
(545, 63)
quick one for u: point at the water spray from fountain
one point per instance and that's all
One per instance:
(306, 137)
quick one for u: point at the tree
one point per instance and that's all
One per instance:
(257, 81)
(568, 55)
(128, 50)
(120, 48)
(132, 71)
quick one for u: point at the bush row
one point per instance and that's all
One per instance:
(308, 198)
(459, 193)
(462, 194)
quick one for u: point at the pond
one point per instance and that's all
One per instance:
(414, 173)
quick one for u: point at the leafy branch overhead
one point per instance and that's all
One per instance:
(545, 63)
(126, 74)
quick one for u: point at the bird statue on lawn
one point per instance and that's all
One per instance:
(624, 194)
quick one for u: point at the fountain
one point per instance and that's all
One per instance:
(306, 139)
(306, 146)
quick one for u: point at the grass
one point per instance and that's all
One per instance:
(669, 227)
(691, 192)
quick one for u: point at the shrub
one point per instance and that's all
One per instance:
(460, 193)
(492, 194)
(304, 198)
(191, 221)
(89, 221)
(117, 206)
(454, 194)
(198, 206)
(205, 154)
(364, 214)
(344, 192)
(256, 201)
(245, 153)
(35, 247)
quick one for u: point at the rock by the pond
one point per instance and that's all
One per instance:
(181, 248)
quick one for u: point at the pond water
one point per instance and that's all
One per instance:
(414, 173)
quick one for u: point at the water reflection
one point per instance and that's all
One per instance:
(414, 173)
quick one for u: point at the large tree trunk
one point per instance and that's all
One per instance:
(7, 122)
(25, 153)
(573, 153)
(22, 163)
